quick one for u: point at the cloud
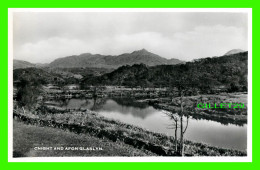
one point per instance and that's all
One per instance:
(209, 41)
(49, 49)
(45, 37)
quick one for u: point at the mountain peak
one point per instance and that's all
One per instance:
(234, 51)
(141, 51)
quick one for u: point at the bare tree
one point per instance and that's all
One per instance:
(183, 110)
(179, 125)
(175, 126)
(183, 130)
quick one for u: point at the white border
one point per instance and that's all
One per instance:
(248, 158)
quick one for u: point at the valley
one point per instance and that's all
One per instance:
(147, 108)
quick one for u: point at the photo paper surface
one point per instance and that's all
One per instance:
(130, 85)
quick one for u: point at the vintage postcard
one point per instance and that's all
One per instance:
(130, 85)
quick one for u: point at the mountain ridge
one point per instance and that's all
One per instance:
(22, 64)
(112, 61)
(88, 60)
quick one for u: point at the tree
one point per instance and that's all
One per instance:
(184, 108)
(27, 94)
(233, 87)
(178, 123)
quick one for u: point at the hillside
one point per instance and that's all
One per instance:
(22, 64)
(36, 75)
(98, 61)
(229, 72)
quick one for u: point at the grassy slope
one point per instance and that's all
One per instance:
(101, 125)
(26, 137)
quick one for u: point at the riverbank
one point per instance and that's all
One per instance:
(91, 123)
(225, 116)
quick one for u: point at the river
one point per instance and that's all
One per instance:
(145, 116)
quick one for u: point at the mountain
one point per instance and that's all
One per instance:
(22, 64)
(228, 72)
(234, 51)
(109, 61)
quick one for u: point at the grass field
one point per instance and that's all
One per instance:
(27, 137)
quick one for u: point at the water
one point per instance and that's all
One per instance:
(128, 111)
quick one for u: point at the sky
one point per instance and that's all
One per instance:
(41, 37)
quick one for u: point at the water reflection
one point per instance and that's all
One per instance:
(145, 116)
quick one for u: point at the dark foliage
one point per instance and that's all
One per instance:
(207, 74)
(27, 94)
(36, 75)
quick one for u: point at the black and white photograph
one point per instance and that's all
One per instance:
(130, 84)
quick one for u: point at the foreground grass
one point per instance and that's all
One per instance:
(27, 137)
(116, 131)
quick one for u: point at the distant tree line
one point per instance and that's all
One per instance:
(225, 72)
